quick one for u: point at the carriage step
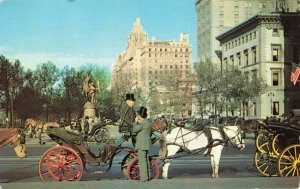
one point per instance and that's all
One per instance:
(98, 172)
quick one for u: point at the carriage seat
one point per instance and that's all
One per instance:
(63, 134)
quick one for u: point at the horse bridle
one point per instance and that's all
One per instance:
(240, 140)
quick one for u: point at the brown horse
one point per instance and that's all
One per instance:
(159, 125)
(14, 137)
(38, 127)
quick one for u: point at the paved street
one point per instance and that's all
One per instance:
(236, 171)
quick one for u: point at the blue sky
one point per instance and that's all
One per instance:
(75, 32)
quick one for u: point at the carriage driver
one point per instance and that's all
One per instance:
(127, 116)
(142, 127)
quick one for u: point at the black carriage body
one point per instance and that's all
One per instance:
(291, 131)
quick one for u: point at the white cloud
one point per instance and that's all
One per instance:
(1, 1)
(31, 60)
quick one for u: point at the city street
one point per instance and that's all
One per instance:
(236, 171)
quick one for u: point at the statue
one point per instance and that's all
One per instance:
(89, 89)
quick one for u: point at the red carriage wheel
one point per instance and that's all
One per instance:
(60, 164)
(134, 170)
(126, 162)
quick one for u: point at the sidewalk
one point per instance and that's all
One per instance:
(190, 183)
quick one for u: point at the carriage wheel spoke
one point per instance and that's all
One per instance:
(265, 170)
(291, 156)
(297, 172)
(286, 163)
(295, 152)
(290, 171)
(49, 172)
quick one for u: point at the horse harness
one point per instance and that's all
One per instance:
(211, 142)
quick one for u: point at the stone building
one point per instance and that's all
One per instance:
(216, 16)
(265, 46)
(152, 68)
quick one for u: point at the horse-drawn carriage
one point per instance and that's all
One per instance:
(278, 147)
(67, 161)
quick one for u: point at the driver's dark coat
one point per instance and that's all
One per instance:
(127, 115)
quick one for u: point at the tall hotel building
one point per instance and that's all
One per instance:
(146, 64)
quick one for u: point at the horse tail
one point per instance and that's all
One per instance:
(163, 145)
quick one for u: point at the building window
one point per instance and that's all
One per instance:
(275, 53)
(275, 78)
(254, 109)
(275, 32)
(246, 56)
(238, 55)
(275, 108)
(232, 60)
(254, 55)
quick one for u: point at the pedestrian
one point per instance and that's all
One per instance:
(142, 127)
(127, 116)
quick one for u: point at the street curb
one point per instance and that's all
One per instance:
(191, 183)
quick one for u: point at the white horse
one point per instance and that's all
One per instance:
(198, 141)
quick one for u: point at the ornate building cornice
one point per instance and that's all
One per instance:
(253, 22)
(270, 21)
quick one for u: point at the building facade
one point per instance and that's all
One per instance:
(216, 16)
(265, 46)
(154, 68)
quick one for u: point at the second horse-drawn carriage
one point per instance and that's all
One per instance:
(278, 146)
